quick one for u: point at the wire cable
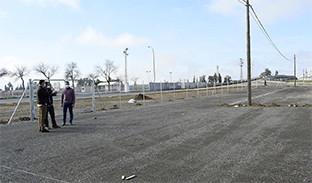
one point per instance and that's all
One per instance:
(266, 33)
(242, 2)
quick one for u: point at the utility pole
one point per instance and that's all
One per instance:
(295, 70)
(248, 57)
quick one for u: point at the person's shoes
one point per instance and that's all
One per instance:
(56, 126)
(44, 130)
(63, 124)
(71, 123)
(47, 128)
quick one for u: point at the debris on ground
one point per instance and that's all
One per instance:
(131, 177)
(132, 101)
(24, 118)
(224, 105)
(127, 178)
(262, 105)
(257, 105)
(114, 107)
(293, 105)
(141, 97)
(273, 105)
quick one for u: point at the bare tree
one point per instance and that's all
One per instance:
(46, 70)
(20, 73)
(72, 72)
(135, 80)
(94, 78)
(106, 71)
(3, 72)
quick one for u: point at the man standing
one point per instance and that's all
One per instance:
(68, 101)
(42, 100)
(50, 107)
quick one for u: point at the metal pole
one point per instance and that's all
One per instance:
(206, 89)
(31, 98)
(119, 95)
(126, 73)
(174, 95)
(161, 97)
(143, 94)
(248, 57)
(18, 103)
(93, 96)
(154, 70)
(295, 84)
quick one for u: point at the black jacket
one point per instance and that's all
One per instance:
(42, 95)
(50, 100)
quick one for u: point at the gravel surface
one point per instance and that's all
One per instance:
(183, 141)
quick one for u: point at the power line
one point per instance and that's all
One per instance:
(256, 18)
(242, 2)
(266, 33)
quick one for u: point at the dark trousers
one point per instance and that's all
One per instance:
(52, 115)
(71, 115)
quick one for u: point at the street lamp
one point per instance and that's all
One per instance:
(170, 73)
(126, 74)
(153, 62)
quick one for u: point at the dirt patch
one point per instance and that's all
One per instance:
(262, 105)
(273, 105)
(141, 97)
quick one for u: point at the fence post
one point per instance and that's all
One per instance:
(161, 97)
(143, 94)
(174, 97)
(93, 96)
(31, 102)
(119, 95)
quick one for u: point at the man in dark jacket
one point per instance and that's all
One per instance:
(42, 101)
(50, 107)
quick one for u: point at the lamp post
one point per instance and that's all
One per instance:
(126, 74)
(153, 65)
(170, 73)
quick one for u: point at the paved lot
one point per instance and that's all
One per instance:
(183, 141)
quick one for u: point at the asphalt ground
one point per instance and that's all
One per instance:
(192, 140)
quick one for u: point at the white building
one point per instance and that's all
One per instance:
(306, 75)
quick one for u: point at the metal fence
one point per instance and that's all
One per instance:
(139, 95)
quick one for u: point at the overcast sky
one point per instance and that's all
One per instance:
(190, 37)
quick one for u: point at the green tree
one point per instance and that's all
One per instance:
(202, 79)
(266, 72)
